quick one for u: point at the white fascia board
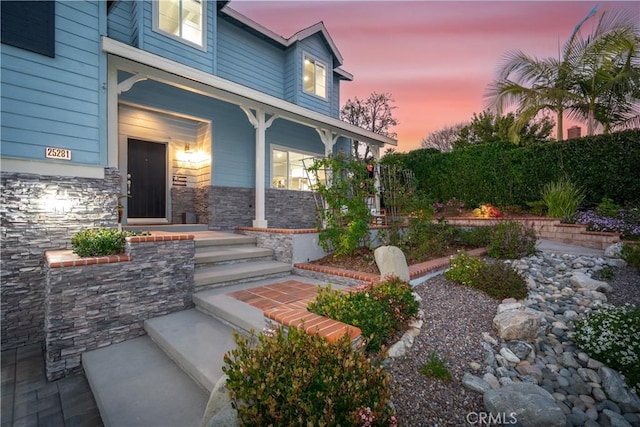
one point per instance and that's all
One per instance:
(253, 24)
(344, 74)
(318, 27)
(217, 87)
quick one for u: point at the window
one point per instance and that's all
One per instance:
(288, 171)
(182, 19)
(29, 25)
(315, 77)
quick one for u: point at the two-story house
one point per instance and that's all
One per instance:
(178, 109)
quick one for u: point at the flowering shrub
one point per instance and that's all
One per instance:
(294, 379)
(498, 280)
(625, 222)
(612, 336)
(487, 211)
(379, 310)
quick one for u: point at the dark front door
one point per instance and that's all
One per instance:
(146, 179)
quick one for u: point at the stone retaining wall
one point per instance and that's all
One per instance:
(290, 209)
(40, 213)
(108, 300)
(551, 229)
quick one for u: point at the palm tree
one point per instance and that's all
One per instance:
(607, 73)
(594, 80)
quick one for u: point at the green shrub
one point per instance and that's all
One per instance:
(476, 237)
(506, 174)
(344, 216)
(511, 240)
(611, 335)
(379, 310)
(562, 198)
(537, 207)
(631, 253)
(297, 379)
(498, 280)
(436, 367)
(464, 269)
(607, 207)
(424, 238)
(99, 242)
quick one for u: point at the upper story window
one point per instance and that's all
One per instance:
(182, 19)
(29, 25)
(314, 79)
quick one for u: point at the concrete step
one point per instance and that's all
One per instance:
(136, 384)
(195, 341)
(230, 310)
(217, 254)
(223, 239)
(219, 275)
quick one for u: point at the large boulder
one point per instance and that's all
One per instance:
(613, 251)
(220, 411)
(391, 262)
(516, 325)
(525, 404)
(581, 280)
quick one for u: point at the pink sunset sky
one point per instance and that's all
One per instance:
(436, 58)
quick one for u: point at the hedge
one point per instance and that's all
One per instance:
(506, 174)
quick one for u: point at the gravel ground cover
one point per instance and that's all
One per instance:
(455, 318)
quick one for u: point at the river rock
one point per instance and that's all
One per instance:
(615, 388)
(531, 405)
(580, 280)
(475, 383)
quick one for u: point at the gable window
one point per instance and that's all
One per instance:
(288, 171)
(182, 19)
(29, 25)
(314, 79)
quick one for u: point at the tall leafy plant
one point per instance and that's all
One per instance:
(562, 198)
(344, 185)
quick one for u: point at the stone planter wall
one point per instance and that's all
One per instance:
(40, 213)
(94, 302)
(551, 229)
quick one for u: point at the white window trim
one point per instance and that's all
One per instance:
(157, 29)
(288, 150)
(306, 55)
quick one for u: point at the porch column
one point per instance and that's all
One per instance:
(329, 139)
(258, 119)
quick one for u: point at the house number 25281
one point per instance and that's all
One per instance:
(58, 153)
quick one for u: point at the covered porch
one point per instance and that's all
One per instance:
(215, 139)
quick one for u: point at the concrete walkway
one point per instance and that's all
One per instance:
(563, 248)
(29, 400)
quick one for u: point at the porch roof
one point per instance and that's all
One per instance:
(150, 66)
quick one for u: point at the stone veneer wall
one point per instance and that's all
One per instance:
(182, 201)
(235, 207)
(280, 243)
(35, 218)
(202, 204)
(290, 209)
(231, 207)
(92, 306)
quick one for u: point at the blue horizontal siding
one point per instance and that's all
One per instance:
(249, 60)
(233, 137)
(290, 78)
(168, 47)
(120, 22)
(56, 101)
(315, 47)
(335, 97)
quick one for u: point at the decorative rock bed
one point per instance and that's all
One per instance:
(550, 381)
